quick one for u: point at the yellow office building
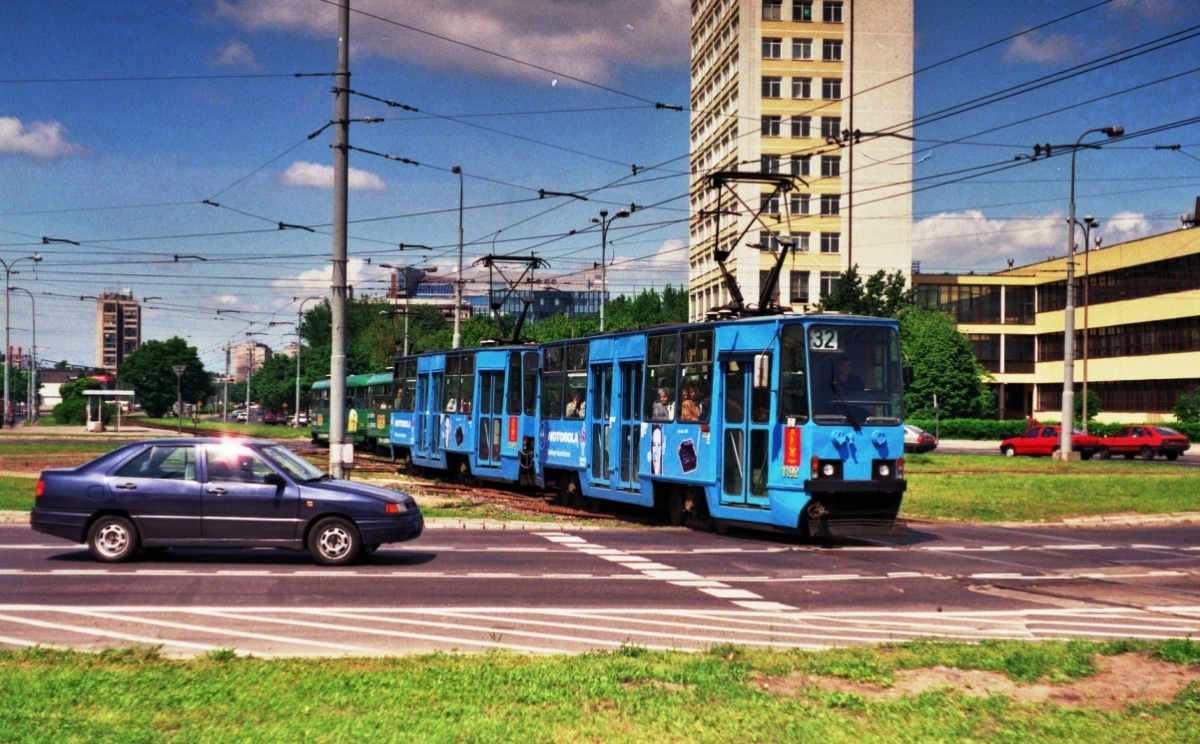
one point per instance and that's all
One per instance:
(1137, 324)
(772, 82)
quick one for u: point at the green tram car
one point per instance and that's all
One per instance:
(369, 400)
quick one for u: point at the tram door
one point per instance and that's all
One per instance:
(746, 435)
(429, 406)
(602, 421)
(491, 417)
(630, 425)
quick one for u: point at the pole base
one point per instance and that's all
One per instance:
(1067, 456)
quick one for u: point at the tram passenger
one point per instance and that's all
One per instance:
(556, 405)
(842, 385)
(664, 407)
(689, 409)
(577, 407)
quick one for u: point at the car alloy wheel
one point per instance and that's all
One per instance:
(112, 539)
(334, 542)
(1147, 453)
(1009, 451)
(1105, 453)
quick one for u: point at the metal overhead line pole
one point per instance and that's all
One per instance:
(456, 343)
(299, 348)
(337, 300)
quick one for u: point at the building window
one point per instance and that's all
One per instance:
(1018, 354)
(763, 276)
(828, 280)
(770, 164)
(800, 203)
(831, 12)
(801, 87)
(831, 50)
(770, 204)
(831, 166)
(772, 10)
(801, 126)
(771, 86)
(987, 350)
(801, 48)
(799, 287)
(772, 48)
(1018, 305)
(801, 165)
(770, 126)
(801, 242)
(831, 242)
(968, 303)
(831, 88)
(802, 11)
(831, 205)
(768, 241)
(831, 127)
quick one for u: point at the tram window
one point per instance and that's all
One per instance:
(793, 375)
(530, 380)
(450, 388)
(662, 366)
(552, 382)
(696, 402)
(576, 390)
(408, 395)
(466, 391)
(514, 384)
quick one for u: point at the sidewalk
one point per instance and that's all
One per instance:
(55, 431)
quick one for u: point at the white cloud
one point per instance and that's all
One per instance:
(582, 39)
(1158, 11)
(43, 139)
(315, 176)
(318, 281)
(667, 265)
(1039, 49)
(233, 54)
(225, 300)
(970, 241)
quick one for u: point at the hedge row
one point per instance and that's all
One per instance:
(989, 430)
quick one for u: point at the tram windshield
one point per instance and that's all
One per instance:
(853, 375)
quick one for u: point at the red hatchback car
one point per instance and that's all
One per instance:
(1043, 440)
(1144, 441)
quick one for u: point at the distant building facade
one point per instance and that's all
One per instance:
(118, 328)
(1137, 320)
(247, 359)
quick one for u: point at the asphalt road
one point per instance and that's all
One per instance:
(555, 591)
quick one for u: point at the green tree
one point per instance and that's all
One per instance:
(149, 370)
(75, 388)
(1187, 408)
(1094, 406)
(73, 408)
(883, 295)
(943, 363)
(274, 384)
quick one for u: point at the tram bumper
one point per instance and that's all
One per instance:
(840, 508)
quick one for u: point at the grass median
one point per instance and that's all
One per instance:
(209, 428)
(725, 694)
(981, 488)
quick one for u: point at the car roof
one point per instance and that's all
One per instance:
(203, 440)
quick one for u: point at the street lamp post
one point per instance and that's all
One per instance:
(1088, 223)
(456, 342)
(179, 369)
(403, 270)
(33, 386)
(604, 221)
(299, 348)
(8, 272)
(1066, 443)
(250, 368)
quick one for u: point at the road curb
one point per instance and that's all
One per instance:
(434, 523)
(14, 517)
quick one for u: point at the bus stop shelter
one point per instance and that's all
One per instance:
(96, 424)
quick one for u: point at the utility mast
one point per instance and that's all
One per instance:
(337, 302)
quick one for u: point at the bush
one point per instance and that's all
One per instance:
(73, 411)
(989, 430)
(1187, 408)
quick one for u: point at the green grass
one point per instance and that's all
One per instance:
(261, 431)
(624, 695)
(980, 488)
(95, 446)
(16, 494)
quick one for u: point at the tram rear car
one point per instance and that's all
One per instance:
(788, 423)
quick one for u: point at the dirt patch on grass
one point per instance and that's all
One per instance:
(33, 464)
(1119, 681)
(656, 684)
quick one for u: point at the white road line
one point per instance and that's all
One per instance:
(700, 583)
(78, 571)
(764, 606)
(1128, 626)
(45, 624)
(731, 593)
(372, 631)
(223, 631)
(22, 642)
(674, 575)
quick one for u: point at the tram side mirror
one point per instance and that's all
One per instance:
(762, 372)
(908, 376)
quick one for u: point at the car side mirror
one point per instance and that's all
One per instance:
(908, 375)
(274, 479)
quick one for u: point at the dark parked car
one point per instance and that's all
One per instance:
(209, 492)
(271, 417)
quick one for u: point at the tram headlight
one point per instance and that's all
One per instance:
(884, 470)
(828, 470)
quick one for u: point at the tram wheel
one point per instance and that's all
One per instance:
(568, 489)
(675, 507)
(463, 473)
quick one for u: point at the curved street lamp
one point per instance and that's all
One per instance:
(604, 221)
(32, 413)
(8, 272)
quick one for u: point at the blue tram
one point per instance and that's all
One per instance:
(792, 423)
(469, 412)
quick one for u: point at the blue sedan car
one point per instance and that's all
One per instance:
(209, 492)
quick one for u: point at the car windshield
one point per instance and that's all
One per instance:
(854, 373)
(1167, 432)
(291, 463)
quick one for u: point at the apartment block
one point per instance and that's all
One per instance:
(248, 358)
(775, 85)
(118, 328)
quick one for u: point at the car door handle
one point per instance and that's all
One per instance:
(217, 491)
(126, 486)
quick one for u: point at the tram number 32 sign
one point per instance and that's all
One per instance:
(822, 339)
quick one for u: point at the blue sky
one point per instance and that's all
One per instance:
(123, 166)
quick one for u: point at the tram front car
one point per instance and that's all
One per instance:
(841, 410)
